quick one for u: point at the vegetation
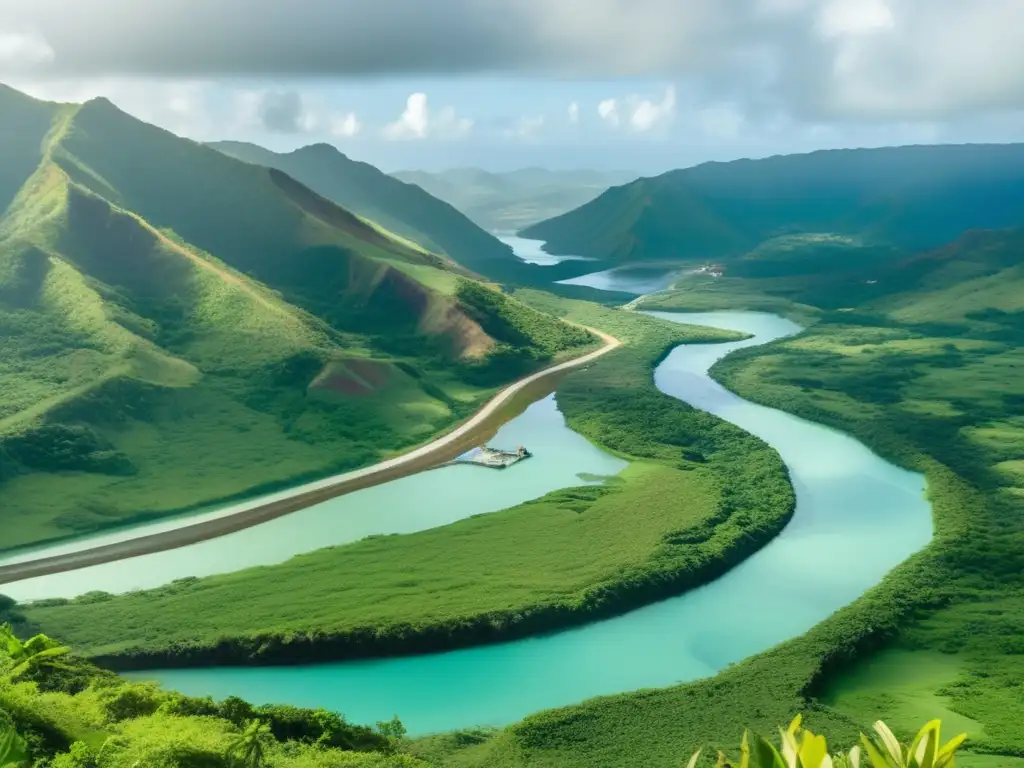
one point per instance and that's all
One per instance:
(183, 329)
(800, 748)
(507, 202)
(73, 715)
(27, 657)
(689, 521)
(405, 209)
(909, 198)
(920, 366)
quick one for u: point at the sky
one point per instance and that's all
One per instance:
(641, 85)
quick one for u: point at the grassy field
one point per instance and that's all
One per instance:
(182, 329)
(674, 519)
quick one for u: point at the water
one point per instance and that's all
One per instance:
(635, 280)
(409, 504)
(531, 251)
(857, 517)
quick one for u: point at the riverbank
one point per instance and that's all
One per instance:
(677, 518)
(476, 429)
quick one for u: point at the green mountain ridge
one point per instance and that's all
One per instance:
(912, 198)
(402, 208)
(183, 328)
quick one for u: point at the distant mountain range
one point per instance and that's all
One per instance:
(910, 198)
(404, 209)
(181, 327)
(508, 202)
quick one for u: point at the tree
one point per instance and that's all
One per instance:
(31, 654)
(247, 751)
(13, 750)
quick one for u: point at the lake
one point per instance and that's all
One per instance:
(532, 251)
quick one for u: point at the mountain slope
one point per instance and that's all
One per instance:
(403, 208)
(912, 198)
(511, 201)
(181, 327)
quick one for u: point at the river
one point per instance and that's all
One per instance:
(857, 517)
(443, 496)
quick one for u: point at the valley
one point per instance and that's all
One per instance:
(791, 486)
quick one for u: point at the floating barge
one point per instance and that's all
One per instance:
(486, 456)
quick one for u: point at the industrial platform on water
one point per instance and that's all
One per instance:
(485, 456)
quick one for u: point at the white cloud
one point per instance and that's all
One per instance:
(23, 50)
(346, 125)
(413, 122)
(416, 122)
(647, 114)
(638, 113)
(839, 18)
(574, 112)
(608, 110)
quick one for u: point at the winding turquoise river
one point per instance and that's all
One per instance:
(826, 557)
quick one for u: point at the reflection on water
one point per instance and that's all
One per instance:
(635, 280)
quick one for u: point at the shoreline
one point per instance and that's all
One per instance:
(442, 449)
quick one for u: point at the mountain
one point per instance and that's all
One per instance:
(181, 328)
(911, 198)
(404, 209)
(507, 202)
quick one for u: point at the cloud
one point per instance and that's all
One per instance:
(281, 112)
(647, 114)
(346, 126)
(721, 121)
(608, 110)
(527, 127)
(23, 51)
(413, 122)
(638, 113)
(821, 59)
(574, 112)
(416, 122)
(290, 112)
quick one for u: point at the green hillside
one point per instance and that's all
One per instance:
(910, 198)
(507, 202)
(402, 208)
(182, 327)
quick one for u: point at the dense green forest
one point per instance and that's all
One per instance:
(58, 710)
(700, 496)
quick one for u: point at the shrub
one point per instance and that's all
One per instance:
(799, 748)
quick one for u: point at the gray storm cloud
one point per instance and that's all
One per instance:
(863, 58)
